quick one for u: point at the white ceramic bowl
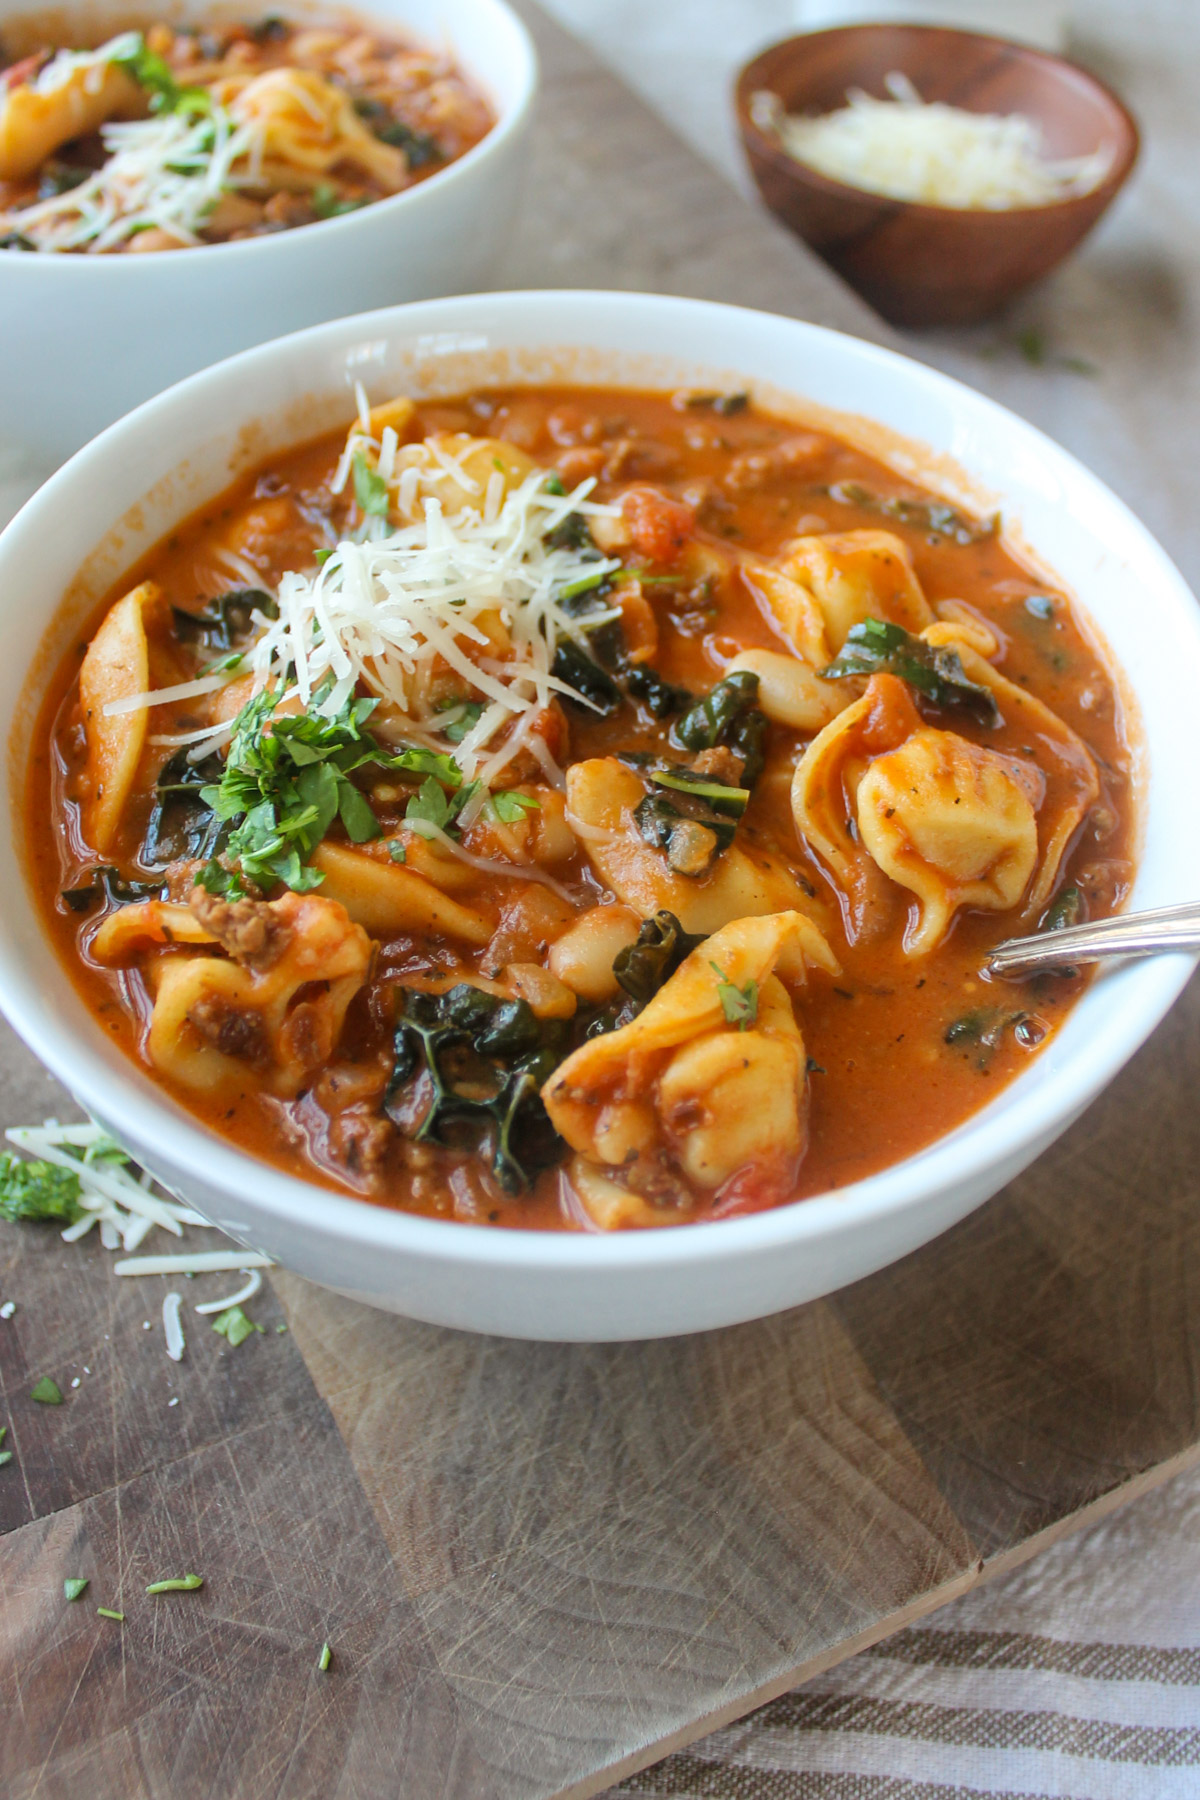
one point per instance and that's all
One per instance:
(174, 453)
(84, 338)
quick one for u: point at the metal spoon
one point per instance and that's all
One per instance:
(1126, 934)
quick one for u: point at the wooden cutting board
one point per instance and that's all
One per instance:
(541, 1567)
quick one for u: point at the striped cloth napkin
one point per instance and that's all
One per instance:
(1077, 1677)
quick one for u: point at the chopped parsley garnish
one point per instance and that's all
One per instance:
(75, 1586)
(325, 1658)
(176, 1584)
(396, 850)
(46, 1392)
(287, 779)
(431, 805)
(509, 807)
(875, 647)
(739, 1004)
(37, 1191)
(327, 203)
(236, 1326)
(6, 1456)
(167, 94)
(468, 719)
(370, 489)
(106, 1612)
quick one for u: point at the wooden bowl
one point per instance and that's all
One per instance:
(933, 265)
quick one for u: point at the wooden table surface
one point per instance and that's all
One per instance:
(541, 1567)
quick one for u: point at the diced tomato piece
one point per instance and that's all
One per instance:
(658, 525)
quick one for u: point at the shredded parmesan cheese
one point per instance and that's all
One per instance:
(458, 604)
(205, 1262)
(246, 1292)
(166, 172)
(939, 155)
(172, 1327)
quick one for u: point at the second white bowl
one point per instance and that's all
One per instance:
(85, 338)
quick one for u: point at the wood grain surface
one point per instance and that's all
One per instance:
(541, 1567)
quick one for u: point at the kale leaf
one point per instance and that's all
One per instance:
(107, 883)
(662, 945)
(220, 623)
(875, 647)
(728, 715)
(465, 1041)
(936, 517)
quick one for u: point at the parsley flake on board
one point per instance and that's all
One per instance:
(75, 1586)
(37, 1190)
(46, 1392)
(235, 1325)
(106, 1612)
(6, 1456)
(325, 1658)
(177, 1584)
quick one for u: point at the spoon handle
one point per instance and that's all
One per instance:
(1168, 928)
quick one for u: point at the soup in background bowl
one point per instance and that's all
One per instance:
(768, 653)
(391, 135)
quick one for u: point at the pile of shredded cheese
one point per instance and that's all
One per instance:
(166, 172)
(119, 1199)
(939, 155)
(472, 590)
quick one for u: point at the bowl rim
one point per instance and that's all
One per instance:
(757, 143)
(117, 1091)
(508, 124)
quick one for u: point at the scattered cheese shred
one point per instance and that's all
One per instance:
(172, 1325)
(203, 1262)
(910, 149)
(458, 598)
(246, 1292)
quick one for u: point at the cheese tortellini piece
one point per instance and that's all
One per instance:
(744, 882)
(275, 1008)
(682, 1090)
(116, 669)
(953, 823)
(38, 117)
(950, 821)
(822, 585)
(310, 127)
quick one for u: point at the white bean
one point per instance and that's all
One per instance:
(583, 956)
(789, 692)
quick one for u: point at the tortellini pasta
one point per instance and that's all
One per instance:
(386, 897)
(953, 823)
(278, 1013)
(36, 121)
(116, 668)
(821, 586)
(310, 126)
(746, 882)
(683, 1089)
